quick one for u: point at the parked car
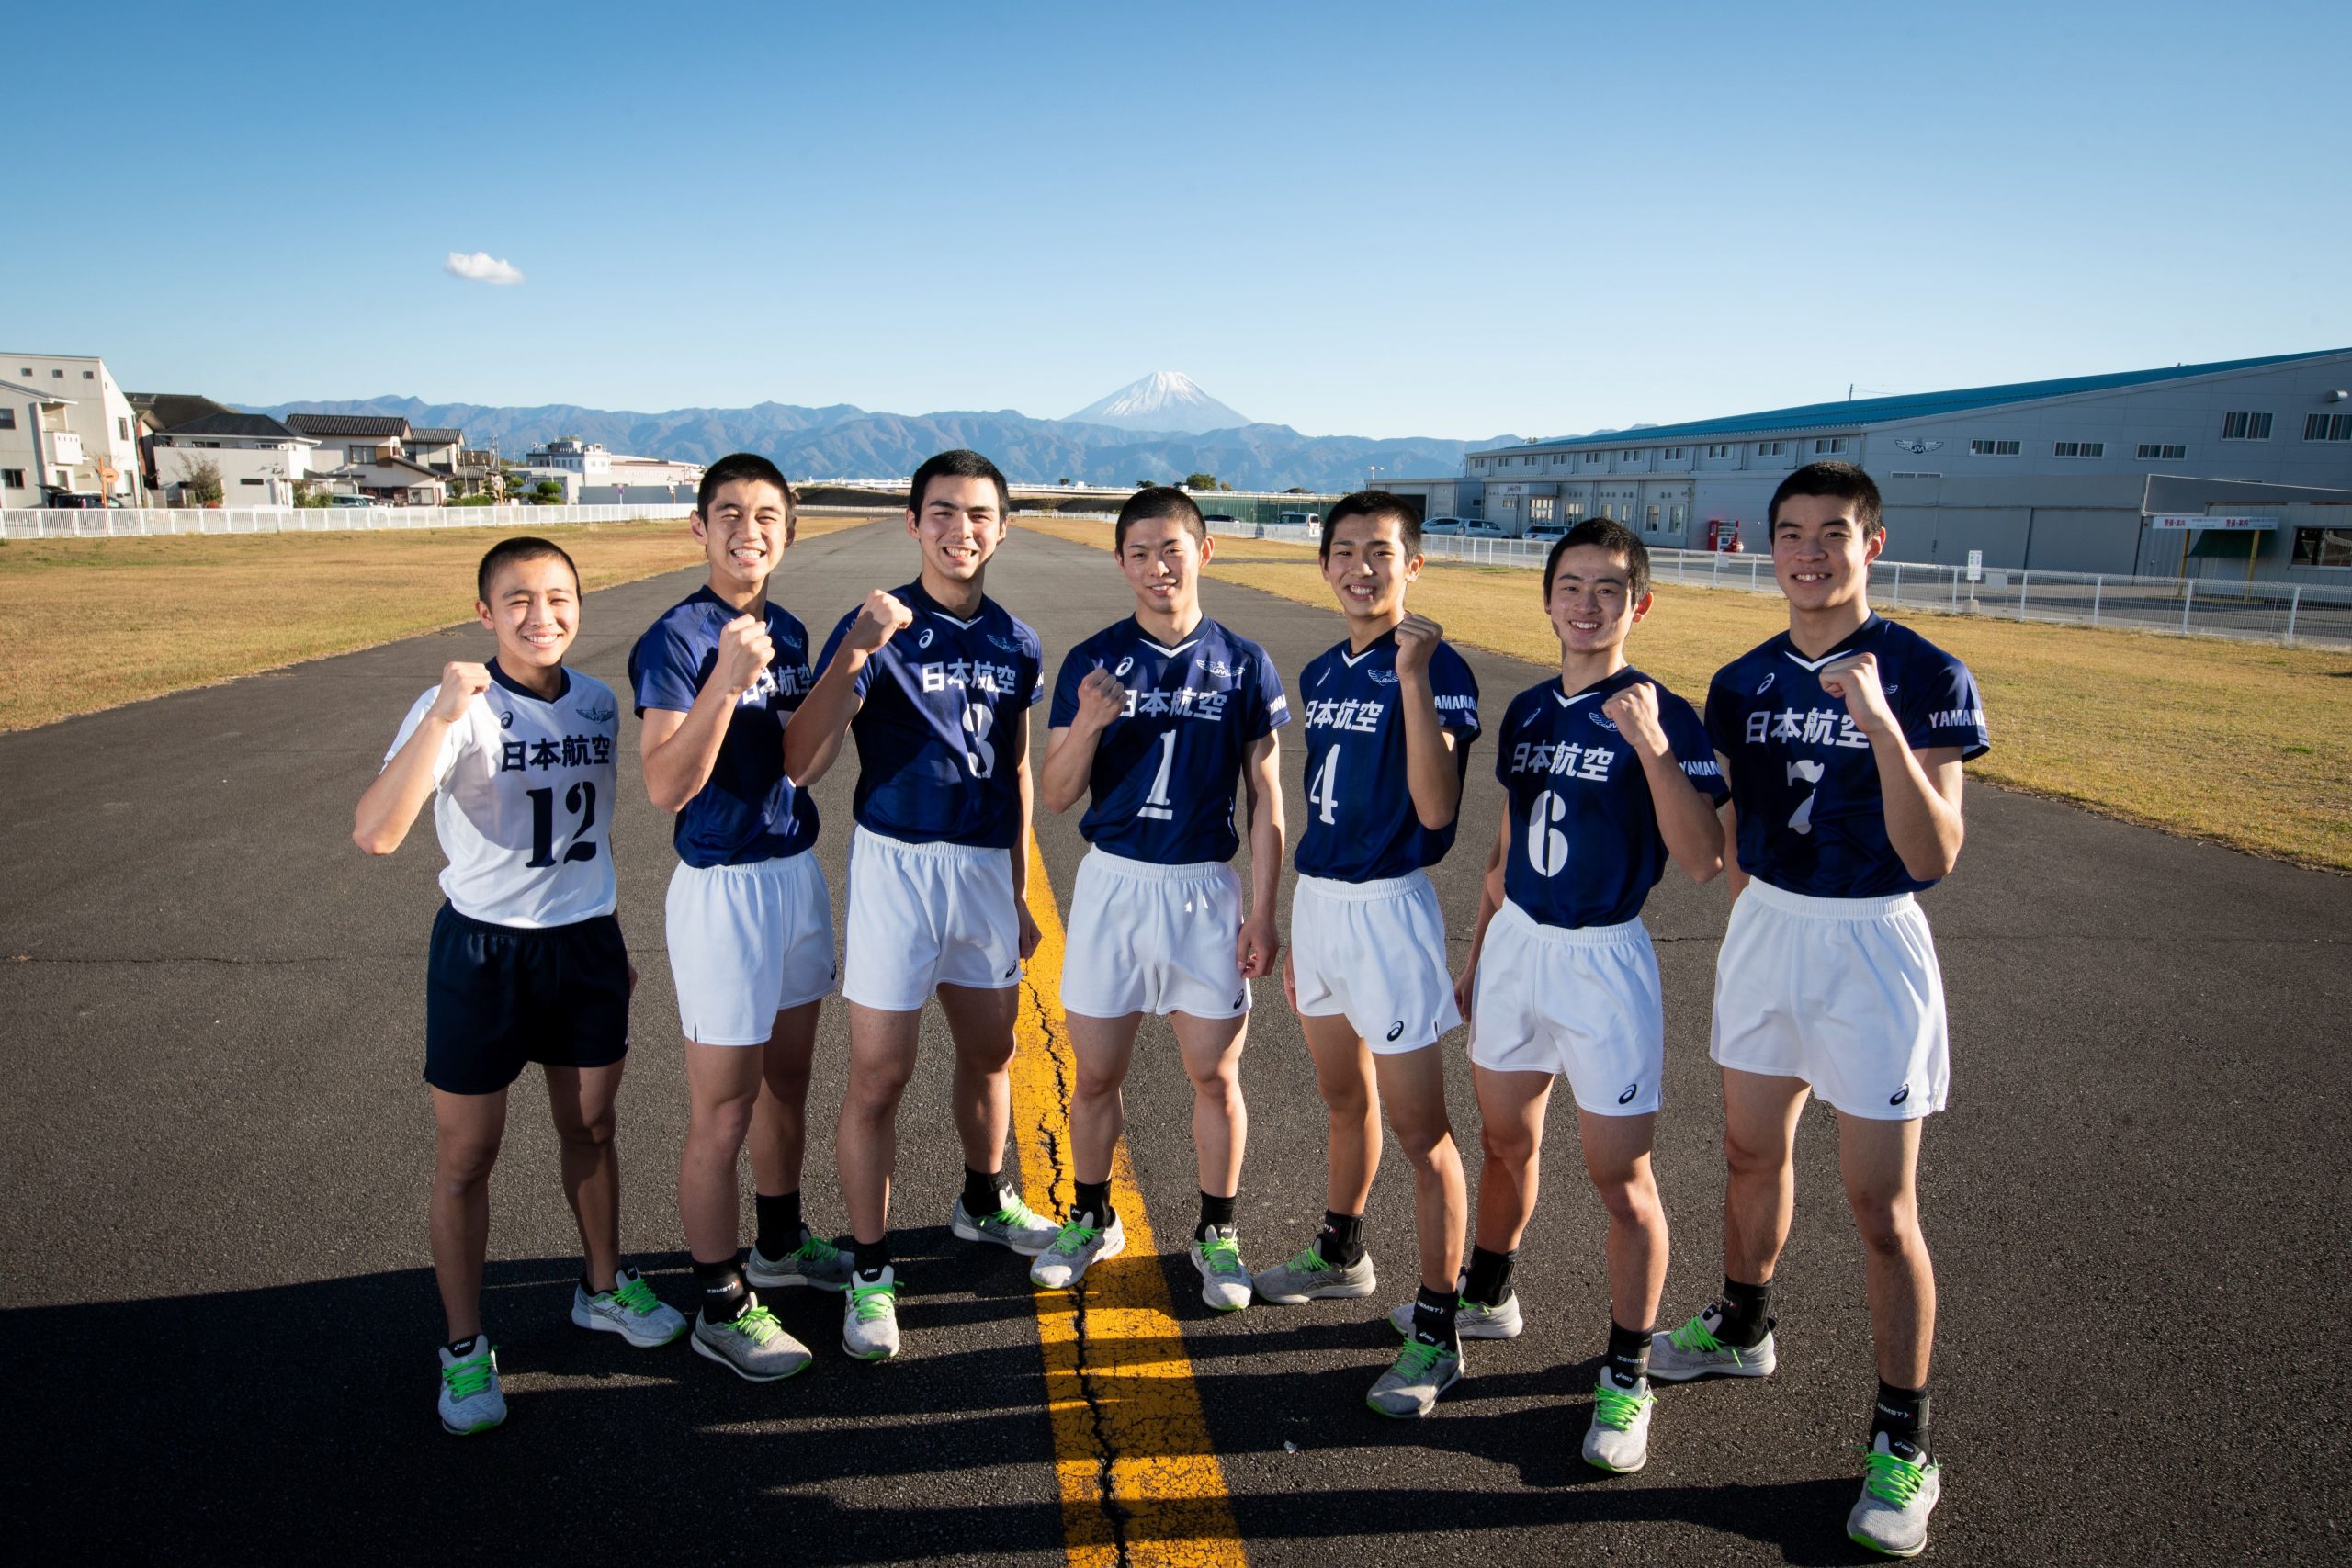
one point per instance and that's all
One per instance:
(1479, 528)
(1308, 520)
(66, 500)
(1547, 531)
(1219, 520)
(1442, 526)
(349, 500)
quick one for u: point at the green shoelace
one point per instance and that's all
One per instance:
(1417, 1357)
(468, 1377)
(1693, 1336)
(1616, 1409)
(872, 1302)
(1017, 1213)
(637, 1296)
(1222, 1255)
(756, 1324)
(816, 1249)
(1075, 1239)
(1308, 1262)
(1892, 1477)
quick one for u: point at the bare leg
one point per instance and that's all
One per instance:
(1880, 1162)
(1412, 1087)
(1511, 1108)
(722, 1084)
(980, 1023)
(1103, 1048)
(1617, 1157)
(1212, 1052)
(1343, 1077)
(1760, 1190)
(779, 1133)
(580, 1099)
(467, 1131)
(881, 1060)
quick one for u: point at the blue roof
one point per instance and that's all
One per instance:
(1855, 411)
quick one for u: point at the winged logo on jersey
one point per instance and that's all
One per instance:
(1004, 643)
(1601, 720)
(1383, 677)
(602, 713)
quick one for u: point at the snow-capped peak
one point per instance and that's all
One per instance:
(1165, 399)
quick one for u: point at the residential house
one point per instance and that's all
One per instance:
(260, 461)
(70, 437)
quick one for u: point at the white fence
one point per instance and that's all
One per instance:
(2260, 612)
(115, 523)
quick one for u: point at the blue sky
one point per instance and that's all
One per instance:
(1368, 220)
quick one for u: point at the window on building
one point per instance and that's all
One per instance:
(7, 419)
(1677, 516)
(1572, 510)
(2313, 547)
(12, 479)
(2078, 448)
(54, 375)
(26, 371)
(2163, 452)
(1527, 462)
(2327, 427)
(1629, 453)
(1991, 448)
(1649, 521)
(122, 428)
(1672, 454)
(1539, 509)
(1829, 444)
(1770, 448)
(1719, 450)
(249, 481)
(359, 454)
(89, 374)
(2245, 427)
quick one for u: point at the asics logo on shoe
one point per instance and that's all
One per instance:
(1396, 1029)
(1627, 1098)
(1899, 1096)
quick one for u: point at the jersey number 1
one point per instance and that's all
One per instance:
(1156, 805)
(579, 798)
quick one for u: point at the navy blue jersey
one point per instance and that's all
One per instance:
(1359, 822)
(748, 810)
(1585, 848)
(943, 704)
(1164, 776)
(1811, 817)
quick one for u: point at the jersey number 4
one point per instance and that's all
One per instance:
(580, 799)
(1323, 793)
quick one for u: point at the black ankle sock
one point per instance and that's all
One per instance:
(1340, 1241)
(1745, 1310)
(1629, 1354)
(1433, 1318)
(871, 1257)
(724, 1294)
(1094, 1198)
(1216, 1213)
(779, 1223)
(461, 1348)
(983, 1192)
(1489, 1281)
(1902, 1414)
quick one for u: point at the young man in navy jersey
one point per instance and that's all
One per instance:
(527, 963)
(935, 682)
(1157, 718)
(1390, 714)
(750, 925)
(1609, 774)
(1843, 739)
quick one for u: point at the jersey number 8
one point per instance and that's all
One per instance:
(979, 718)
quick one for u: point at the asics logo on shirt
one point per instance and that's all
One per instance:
(506, 719)
(1396, 1029)
(924, 640)
(1627, 1097)
(1899, 1096)
(1125, 665)
(1767, 685)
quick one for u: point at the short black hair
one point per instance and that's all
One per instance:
(521, 548)
(1154, 501)
(741, 466)
(1374, 504)
(1610, 535)
(960, 464)
(1839, 482)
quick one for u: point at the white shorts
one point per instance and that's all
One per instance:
(923, 916)
(747, 941)
(1375, 952)
(1583, 1002)
(1157, 939)
(1843, 993)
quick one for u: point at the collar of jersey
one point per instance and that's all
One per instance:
(1853, 640)
(1385, 639)
(1200, 629)
(1606, 686)
(503, 679)
(704, 595)
(912, 593)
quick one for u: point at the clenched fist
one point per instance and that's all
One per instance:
(460, 685)
(1635, 712)
(744, 650)
(879, 620)
(1102, 700)
(1416, 641)
(1854, 680)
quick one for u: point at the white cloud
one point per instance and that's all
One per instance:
(481, 267)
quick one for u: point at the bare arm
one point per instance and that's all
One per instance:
(1490, 903)
(1728, 815)
(1070, 750)
(1261, 796)
(813, 737)
(1920, 790)
(389, 806)
(1685, 817)
(1431, 774)
(1023, 848)
(679, 748)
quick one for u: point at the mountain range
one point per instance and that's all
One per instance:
(846, 442)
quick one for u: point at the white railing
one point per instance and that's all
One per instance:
(2182, 606)
(112, 522)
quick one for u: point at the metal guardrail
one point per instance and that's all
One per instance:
(124, 522)
(2287, 612)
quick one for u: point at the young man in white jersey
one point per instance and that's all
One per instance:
(1158, 718)
(1609, 774)
(750, 923)
(1843, 740)
(934, 681)
(1389, 715)
(527, 962)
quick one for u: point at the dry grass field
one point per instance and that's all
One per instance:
(2243, 743)
(87, 623)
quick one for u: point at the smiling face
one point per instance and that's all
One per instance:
(959, 527)
(1368, 569)
(1591, 603)
(1162, 561)
(743, 533)
(534, 611)
(1820, 553)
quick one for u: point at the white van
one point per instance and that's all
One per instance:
(1310, 521)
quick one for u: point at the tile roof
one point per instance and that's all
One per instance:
(334, 424)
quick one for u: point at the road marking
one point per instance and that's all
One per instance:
(1140, 1484)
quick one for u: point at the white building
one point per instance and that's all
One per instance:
(259, 460)
(68, 436)
(595, 476)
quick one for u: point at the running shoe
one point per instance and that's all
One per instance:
(1471, 1320)
(1423, 1370)
(754, 1346)
(1693, 1351)
(1225, 1282)
(1308, 1277)
(470, 1400)
(870, 1316)
(1619, 1438)
(1080, 1244)
(815, 1261)
(629, 1309)
(1015, 1225)
(1891, 1515)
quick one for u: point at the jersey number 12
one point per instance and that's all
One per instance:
(581, 797)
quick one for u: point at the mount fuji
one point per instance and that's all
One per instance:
(1165, 399)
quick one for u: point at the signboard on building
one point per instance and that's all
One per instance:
(2174, 524)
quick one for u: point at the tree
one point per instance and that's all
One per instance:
(547, 493)
(1201, 481)
(1064, 482)
(202, 485)
(1298, 489)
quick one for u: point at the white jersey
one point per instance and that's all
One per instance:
(525, 794)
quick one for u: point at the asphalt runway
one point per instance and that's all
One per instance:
(214, 1153)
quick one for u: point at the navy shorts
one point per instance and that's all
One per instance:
(500, 997)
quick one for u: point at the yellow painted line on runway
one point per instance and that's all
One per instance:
(1139, 1482)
